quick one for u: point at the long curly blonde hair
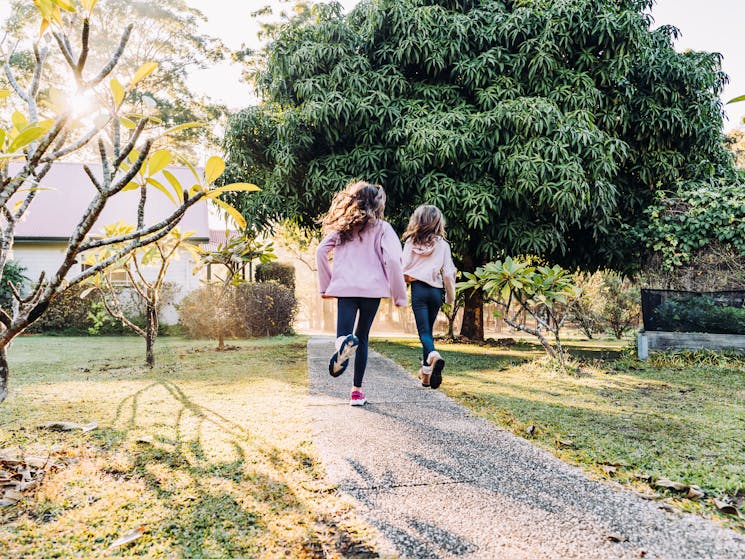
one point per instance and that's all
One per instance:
(353, 208)
(426, 223)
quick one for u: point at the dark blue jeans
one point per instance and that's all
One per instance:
(347, 310)
(425, 302)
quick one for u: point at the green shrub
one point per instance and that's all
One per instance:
(280, 272)
(700, 314)
(13, 273)
(267, 308)
(67, 314)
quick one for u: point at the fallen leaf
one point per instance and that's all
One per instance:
(145, 439)
(666, 507)
(725, 507)
(669, 484)
(530, 430)
(617, 538)
(69, 426)
(567, 442)
(609, 468)
(128, 538)
(695, 492)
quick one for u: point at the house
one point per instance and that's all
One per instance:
(65, 192)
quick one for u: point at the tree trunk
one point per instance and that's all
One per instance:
(3, 372)
(151, 334)
(473, 316)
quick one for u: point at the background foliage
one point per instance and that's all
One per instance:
(538, 127)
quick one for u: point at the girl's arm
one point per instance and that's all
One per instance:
(448, 275)
(322, 260)
(392, 256)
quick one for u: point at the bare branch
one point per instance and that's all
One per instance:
(117, 312)
(15, 85)
(93, 179)
(123, 252)
(83, 48)
(59, 154)
(106, 70)
(5, 318)
(122, 181)
(170, 220)
(36, 80)
(130, 144)
(65, 50)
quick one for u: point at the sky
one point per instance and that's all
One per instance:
(711, 25)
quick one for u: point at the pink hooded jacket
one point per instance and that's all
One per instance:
(366, 265)
(432, 264)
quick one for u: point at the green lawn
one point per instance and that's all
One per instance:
(209, 454)
(675, 418)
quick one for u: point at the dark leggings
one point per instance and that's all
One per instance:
(425, 302)
(347, 309)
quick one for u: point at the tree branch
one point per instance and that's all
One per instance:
(170, 220)
(106, 70)
(83, 49)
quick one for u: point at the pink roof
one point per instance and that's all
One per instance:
(54, 213)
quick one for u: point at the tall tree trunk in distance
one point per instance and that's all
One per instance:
(472, 326)
(3, 372)
(473, 316)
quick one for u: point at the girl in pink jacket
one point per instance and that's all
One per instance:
(367, 267)
(429, 268)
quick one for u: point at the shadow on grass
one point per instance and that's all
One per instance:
(217, 507)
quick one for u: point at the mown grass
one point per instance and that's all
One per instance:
(209, 454)
(675, 417)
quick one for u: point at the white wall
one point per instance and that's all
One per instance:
(38, 257)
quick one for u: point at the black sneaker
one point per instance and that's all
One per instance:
(339, 360)
(437, 363)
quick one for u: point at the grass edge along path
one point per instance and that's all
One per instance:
(675, 417)
(208, 455)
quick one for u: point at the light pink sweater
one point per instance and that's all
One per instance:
(432, 264)
(366, 265)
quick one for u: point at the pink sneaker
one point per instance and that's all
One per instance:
(358, 398)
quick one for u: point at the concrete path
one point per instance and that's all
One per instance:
(438, 482)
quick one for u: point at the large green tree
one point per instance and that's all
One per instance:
(539, 127)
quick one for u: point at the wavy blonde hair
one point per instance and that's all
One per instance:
(353, 208)
(426, 223)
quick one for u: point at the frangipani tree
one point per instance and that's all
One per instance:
(47, 124)
(146, 269)
(545, 293)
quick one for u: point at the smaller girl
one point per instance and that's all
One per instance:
(367, 267)
(428, 267)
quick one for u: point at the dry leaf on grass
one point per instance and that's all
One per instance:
(567, 442)
(725, 507)
(695, 492)
(69, 426)
(669, 484)
(128, 538)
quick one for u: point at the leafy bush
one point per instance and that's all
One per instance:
(13, 273)
(238, 311)
(621, 303)
(67, 314)
(700, 314)
(268, 308)
(280, 272)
